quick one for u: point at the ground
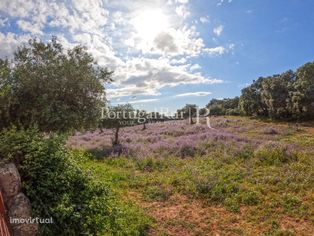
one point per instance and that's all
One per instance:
(244, 177)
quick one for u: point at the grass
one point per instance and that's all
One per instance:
(260, 188)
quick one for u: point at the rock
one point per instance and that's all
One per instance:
(21, 209)
(10, 181)
(18, 205)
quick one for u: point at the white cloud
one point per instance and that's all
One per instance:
(143, 76)
(215, 51)
(143, 101)
(29, 27)
(220, 2)
(3, 22)
(182, 11)
(182, 1)
(195, 67)
(204, 19)
(194, 94)
(218, 30)
(9, 42)
(142, 66)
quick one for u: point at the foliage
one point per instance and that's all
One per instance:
(57, 187)
(226, 106)
(289, 95)
(55, 89)
(116, 117)
(188, 111)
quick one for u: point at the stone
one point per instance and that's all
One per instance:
(21, 209)
(10, 181)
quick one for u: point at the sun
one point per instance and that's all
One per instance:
(150, 22)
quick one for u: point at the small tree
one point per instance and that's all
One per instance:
(116, 117)
(188, 112)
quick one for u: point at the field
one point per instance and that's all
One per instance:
(243, 177)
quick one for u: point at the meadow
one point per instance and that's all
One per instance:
(242, 177)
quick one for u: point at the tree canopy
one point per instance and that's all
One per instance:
(53, 88)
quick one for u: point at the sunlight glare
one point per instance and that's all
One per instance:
(150, 22)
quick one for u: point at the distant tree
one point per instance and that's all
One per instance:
(116, 117)
(226, 106)
(251, 102)
(142, 118)
(54, 88)
(188, 112)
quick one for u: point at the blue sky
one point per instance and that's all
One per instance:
(166, 53)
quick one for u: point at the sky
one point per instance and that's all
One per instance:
(166, 53)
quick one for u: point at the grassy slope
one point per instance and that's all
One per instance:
(226, 191)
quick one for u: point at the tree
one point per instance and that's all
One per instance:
(226, 106)
(275, 94)
(188, 111)
(54, 88)
(302, 92)
(5, 93)
(116, 117)
(251, 101)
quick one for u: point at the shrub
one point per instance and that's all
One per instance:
(291, 203)
(245, 152)
(55, 184)
(157, 193)
(232, 204)
(250, 198)
(273, 153)
(270, 130)
(149, 164)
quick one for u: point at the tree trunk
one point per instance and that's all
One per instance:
(116, 136)
(191, 120)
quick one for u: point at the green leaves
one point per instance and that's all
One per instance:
(289, 95)
(56, 185)
(55, 89)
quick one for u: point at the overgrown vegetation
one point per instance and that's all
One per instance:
(244, 172)
(53, 179)
(229, 186)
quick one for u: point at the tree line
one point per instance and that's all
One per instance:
(286, 96)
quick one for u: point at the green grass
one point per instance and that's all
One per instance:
(254, 186)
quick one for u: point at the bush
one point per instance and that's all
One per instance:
(56, 186)
(157, 193)
(273, 153)
(250, 198)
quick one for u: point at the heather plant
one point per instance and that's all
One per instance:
(242, 175)
(158, 140)
(273, 153)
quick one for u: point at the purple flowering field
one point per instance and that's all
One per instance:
(175, 138)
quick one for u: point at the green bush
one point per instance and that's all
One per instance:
(157, 193)
(56, 186)
(273, 153)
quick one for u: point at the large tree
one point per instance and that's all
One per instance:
(302, 92)
(53, 88)
(275, 94)
(251, 101)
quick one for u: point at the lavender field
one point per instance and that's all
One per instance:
(240, 177)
